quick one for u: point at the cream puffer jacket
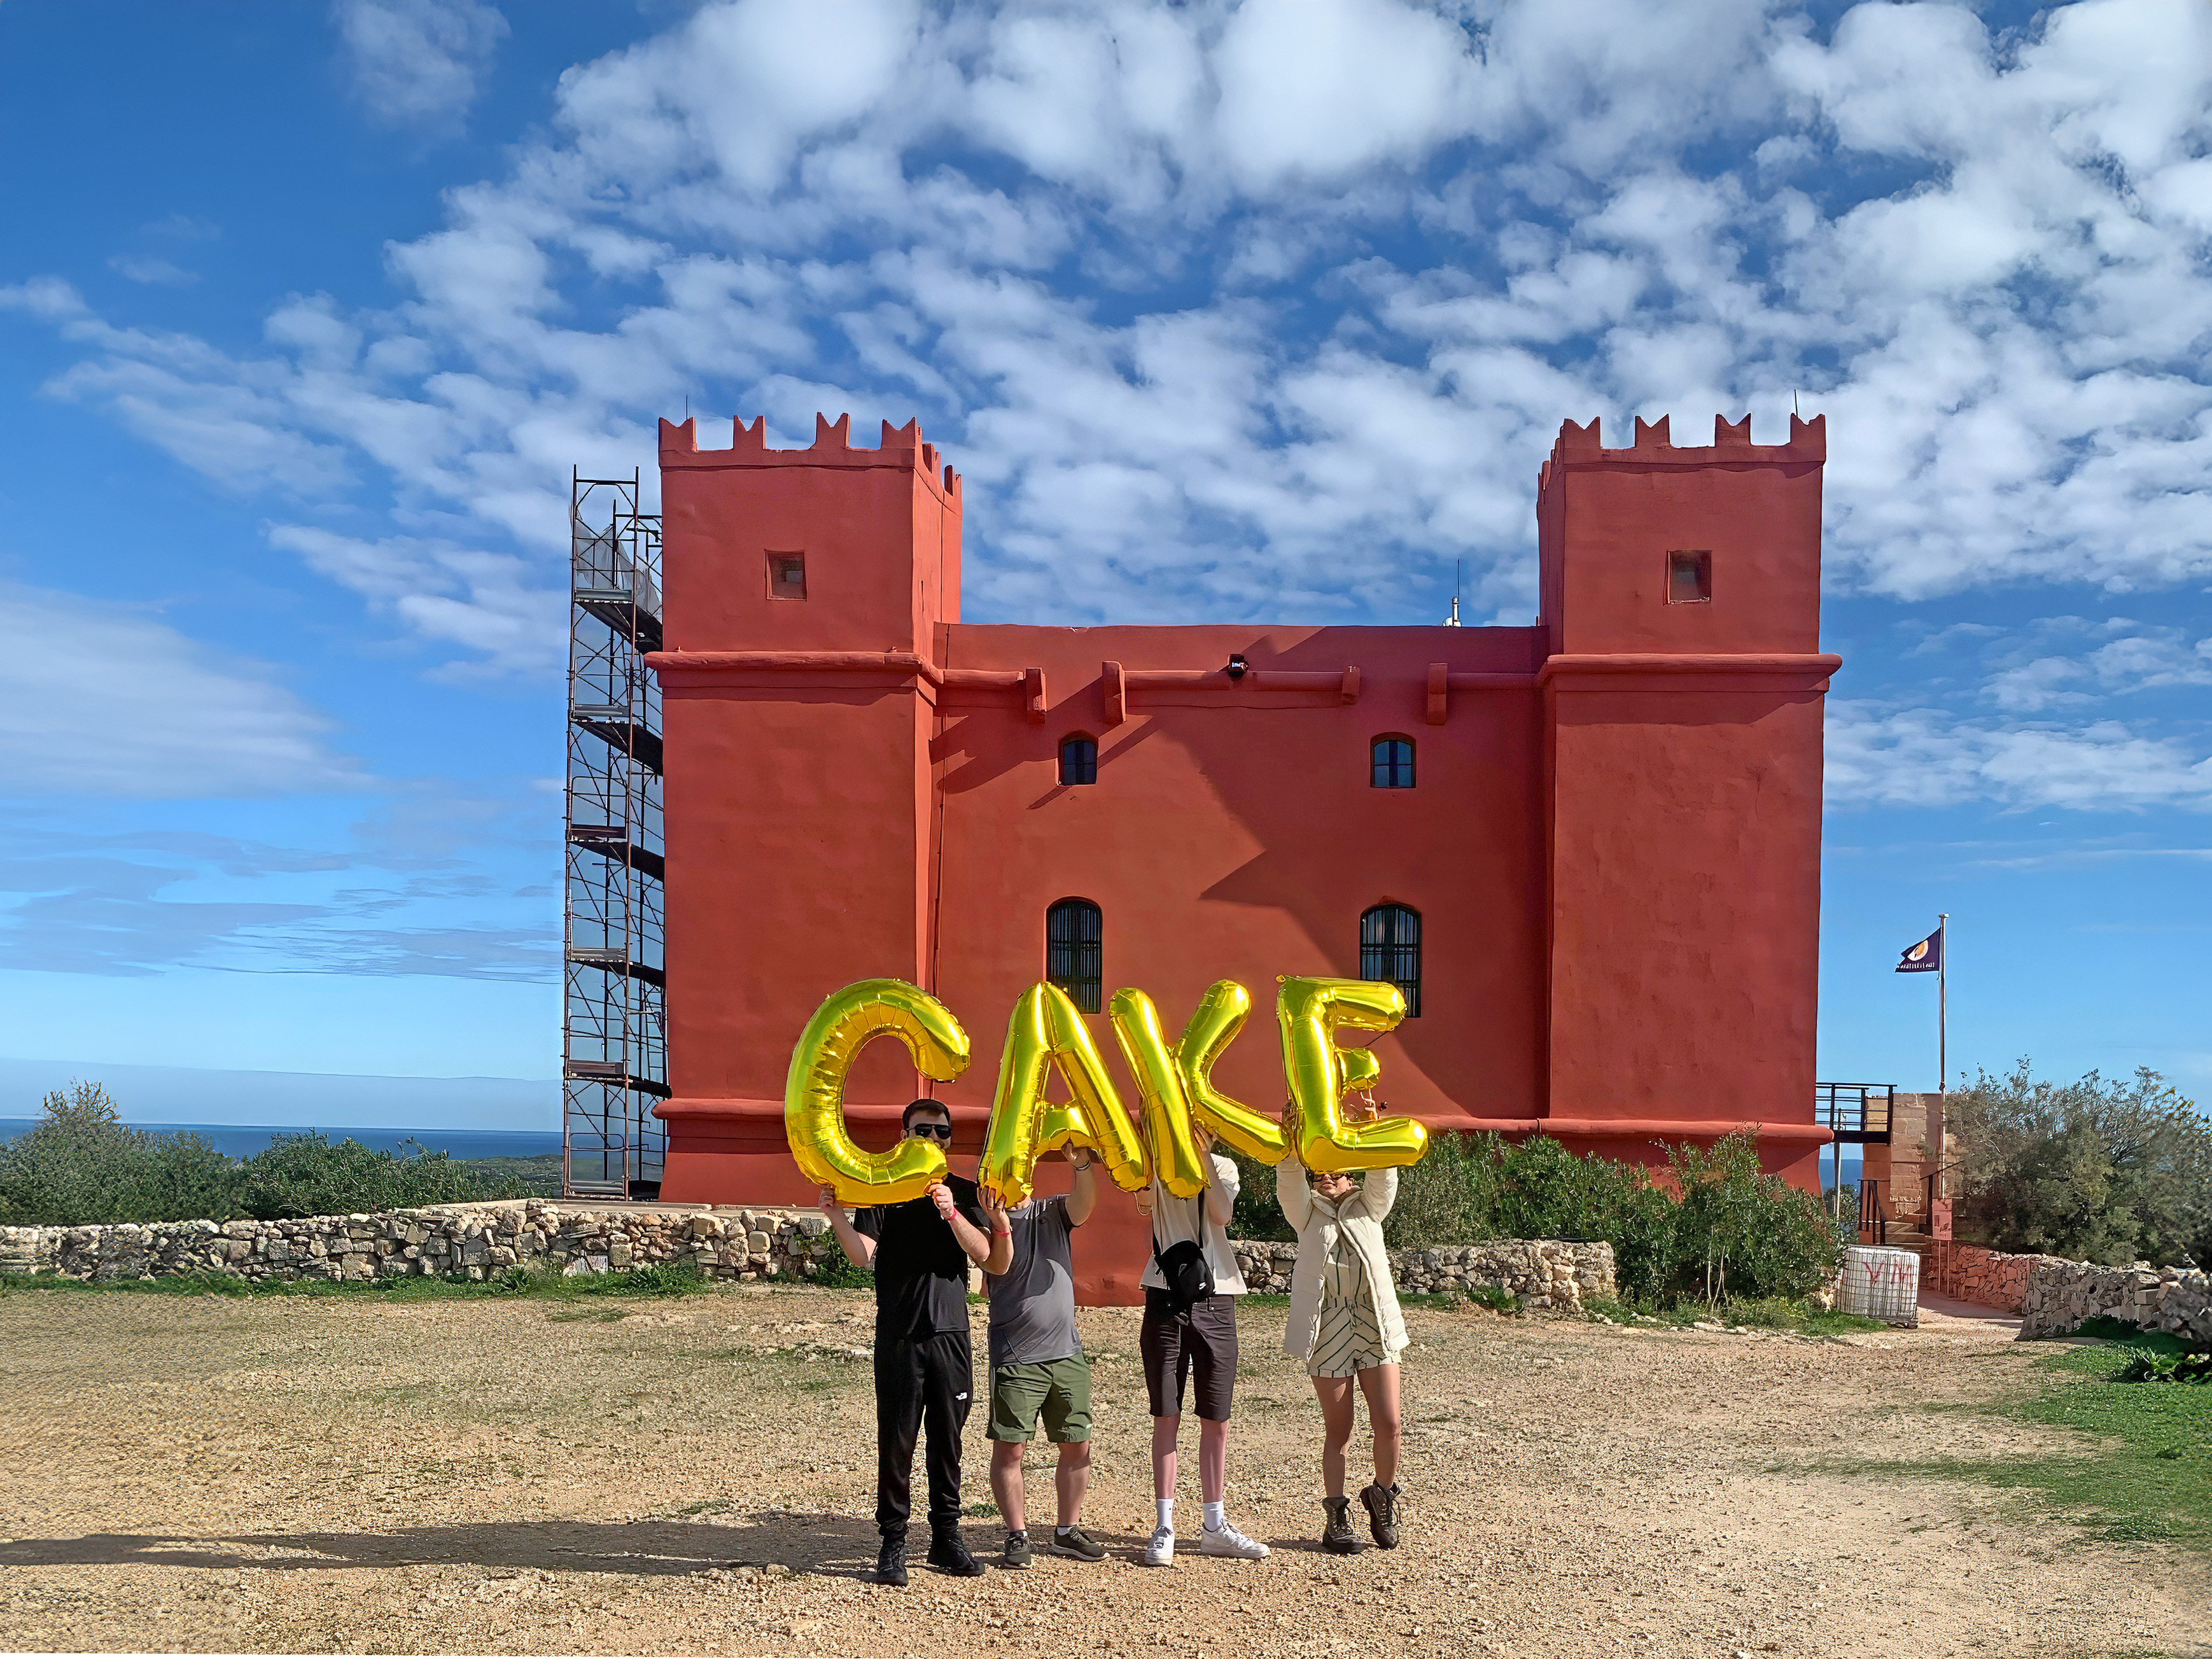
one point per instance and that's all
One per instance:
(1359, 1216)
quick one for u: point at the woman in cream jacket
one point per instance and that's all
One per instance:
(1344, 1325)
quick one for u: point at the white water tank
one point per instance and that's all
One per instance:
(1877, 1283)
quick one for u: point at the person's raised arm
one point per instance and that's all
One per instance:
(1002, 1235)
(1220, 1190)
(970, 1237)
(860, 1250)
(1378, 1191)
(1083, 1196)
(1293, 1192)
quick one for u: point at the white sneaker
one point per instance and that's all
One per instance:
(1232, 1543)
(1159, 1550)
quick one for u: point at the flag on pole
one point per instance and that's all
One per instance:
(1925, 958)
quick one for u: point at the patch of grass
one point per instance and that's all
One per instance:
(1496, 1297)
(596, 1316)
(2147, 1476)
(1771, 1313)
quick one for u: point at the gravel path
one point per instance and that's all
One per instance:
(481, 1476)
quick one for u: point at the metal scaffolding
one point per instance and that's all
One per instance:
(614, 1053)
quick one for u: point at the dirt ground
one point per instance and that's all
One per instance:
(697, 1476)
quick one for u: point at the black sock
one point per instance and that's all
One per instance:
(1018, 1532)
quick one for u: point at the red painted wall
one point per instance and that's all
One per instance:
(1613, 839)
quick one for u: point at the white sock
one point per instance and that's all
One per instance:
(1165, 1508)
(1215, 1520)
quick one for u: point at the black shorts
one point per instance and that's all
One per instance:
(1174, 1340)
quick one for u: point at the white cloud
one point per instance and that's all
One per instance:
(139, 267)
(1921, 758)
(482, 602)
(99, 699)
(2150, 660)
(1275, 308)
(416, 62)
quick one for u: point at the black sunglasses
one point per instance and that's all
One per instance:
(935, 1131)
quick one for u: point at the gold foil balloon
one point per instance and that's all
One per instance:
(1309, 1011)
(1213, 1025)
(1177, 1162)
(814, 1089)
(1361, 1067)
(1045, 1030)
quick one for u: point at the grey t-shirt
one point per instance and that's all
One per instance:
(1033, 1301)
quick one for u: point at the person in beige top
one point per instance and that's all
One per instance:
(1345, 1326)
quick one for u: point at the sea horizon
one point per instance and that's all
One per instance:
(244, 1139)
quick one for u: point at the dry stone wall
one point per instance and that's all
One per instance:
(1989, 1278)
(472, 1241)
(479, 1241)
(1542, 1273)
(2063, 1295)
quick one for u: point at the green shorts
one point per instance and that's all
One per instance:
(1058, 1389)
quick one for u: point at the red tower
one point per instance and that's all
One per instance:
(1601, 834)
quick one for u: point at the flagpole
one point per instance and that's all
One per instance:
(1943, 1006)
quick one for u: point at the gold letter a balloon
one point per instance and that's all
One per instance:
(1046, 1028)
(814, 1089)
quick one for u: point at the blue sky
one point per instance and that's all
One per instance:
(1252, 312)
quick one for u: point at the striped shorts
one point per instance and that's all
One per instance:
(1349, 1341)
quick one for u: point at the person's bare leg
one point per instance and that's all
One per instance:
(1213, 1460)
(1380, 1384)
(1072, 1478)
(1334, 1394)
(1165, 1430)
(1006, 1481)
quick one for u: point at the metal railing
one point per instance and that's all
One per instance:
(1856, 1112)
(1874, 1214)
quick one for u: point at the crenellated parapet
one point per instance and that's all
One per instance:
(901, 446)
(1577, 447)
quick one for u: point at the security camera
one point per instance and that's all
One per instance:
(1237, 665)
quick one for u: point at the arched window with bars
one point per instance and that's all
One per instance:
(1391, 758)
(1075, 952)
(1390, 949)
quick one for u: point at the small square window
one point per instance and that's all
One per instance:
(1689, 578)
(786, 576)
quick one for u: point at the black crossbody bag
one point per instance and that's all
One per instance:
(1185, 1271)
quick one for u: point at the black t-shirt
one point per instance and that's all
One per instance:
(922, 1272)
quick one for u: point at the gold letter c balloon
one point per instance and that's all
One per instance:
(1310, 1011)
(814, 1089)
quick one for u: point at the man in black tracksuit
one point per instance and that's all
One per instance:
(925, 1375)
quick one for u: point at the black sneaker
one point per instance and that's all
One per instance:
(890, 1562)
(1074, 1542)
(1337, 1536)
(948, 1554)
(1017, 1553)
(1382, 1504)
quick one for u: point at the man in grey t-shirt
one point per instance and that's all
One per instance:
(1038, 1365)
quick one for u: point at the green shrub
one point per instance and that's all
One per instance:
(1257, 1215)
(1738, 1231)
(2098, 1170)
(81, 1166)
(304, 1175)
(1727, 1230)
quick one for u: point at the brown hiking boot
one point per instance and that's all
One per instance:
(1337, 1536)
(1382, 1504)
